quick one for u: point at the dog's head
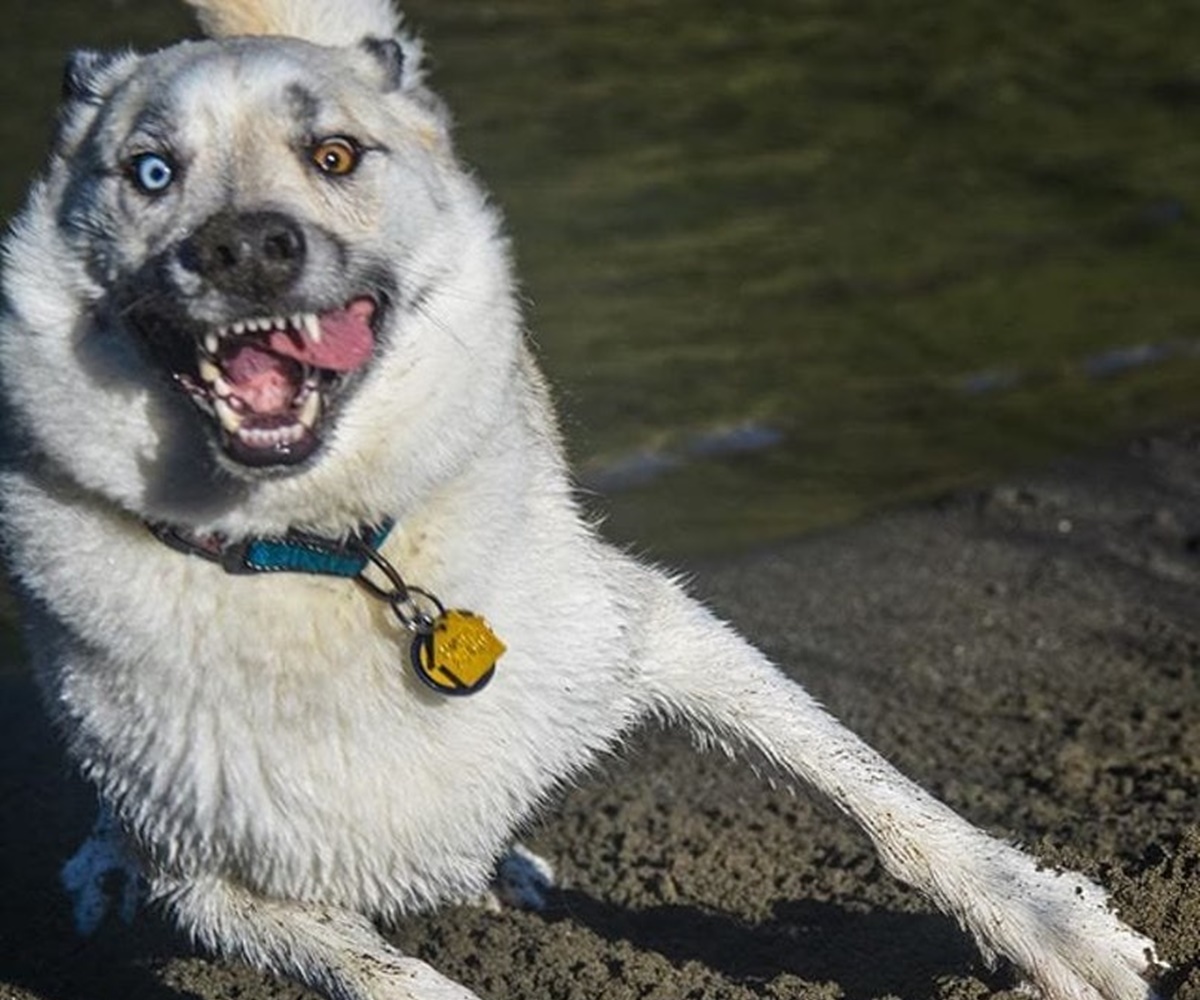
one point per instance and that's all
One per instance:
(254, 283)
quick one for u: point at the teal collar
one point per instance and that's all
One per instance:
(293, 552)
(453, 651)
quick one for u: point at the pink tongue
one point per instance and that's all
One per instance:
(346, 339)
(262, 381)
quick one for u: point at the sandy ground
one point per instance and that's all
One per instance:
(1031, 653)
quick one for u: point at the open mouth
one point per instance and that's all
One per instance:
(271, 382)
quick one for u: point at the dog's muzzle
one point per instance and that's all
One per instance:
(270, 375)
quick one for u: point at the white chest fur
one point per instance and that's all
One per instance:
(270, 727)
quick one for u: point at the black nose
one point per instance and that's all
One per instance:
(252, 255)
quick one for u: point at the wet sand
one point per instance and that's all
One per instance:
(1031, 653)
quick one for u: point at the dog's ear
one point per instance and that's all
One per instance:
(90, 75)
(399, 60)
(88, 79)
(396, 63)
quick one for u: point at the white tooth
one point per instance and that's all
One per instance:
(296, 322)
(278, 323)
(212, 341)
(238, 327)
(273, 437)
(221, 387)
(209, 371)
(230, 420)
(312, 326)
(310, 410)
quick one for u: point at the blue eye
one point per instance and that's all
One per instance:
(151, 172)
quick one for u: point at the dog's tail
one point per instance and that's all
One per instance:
(327, 22)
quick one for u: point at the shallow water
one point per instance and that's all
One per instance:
(788, 262)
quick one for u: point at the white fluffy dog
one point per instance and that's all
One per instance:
(309, 594)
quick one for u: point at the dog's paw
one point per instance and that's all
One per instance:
(102, 872)
(1127, 977)
(1059, 929)
(521, 882)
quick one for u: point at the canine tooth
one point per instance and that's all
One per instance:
(212, 341)
(209, 371)
(230, 420)
(312, 326)
(310, 409)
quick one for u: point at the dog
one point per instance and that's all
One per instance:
(307, 588)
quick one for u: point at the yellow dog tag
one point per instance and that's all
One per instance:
(458, 654)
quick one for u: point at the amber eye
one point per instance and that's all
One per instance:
(336, 156)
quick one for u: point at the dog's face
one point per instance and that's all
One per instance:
(230, 290)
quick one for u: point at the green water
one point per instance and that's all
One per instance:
(817, 216)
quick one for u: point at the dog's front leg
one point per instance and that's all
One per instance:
(1056, 927)
(103, 867)
(330, 949)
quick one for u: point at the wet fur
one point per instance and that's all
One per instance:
(282, 780)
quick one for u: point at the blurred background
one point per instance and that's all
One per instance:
(791, 261)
